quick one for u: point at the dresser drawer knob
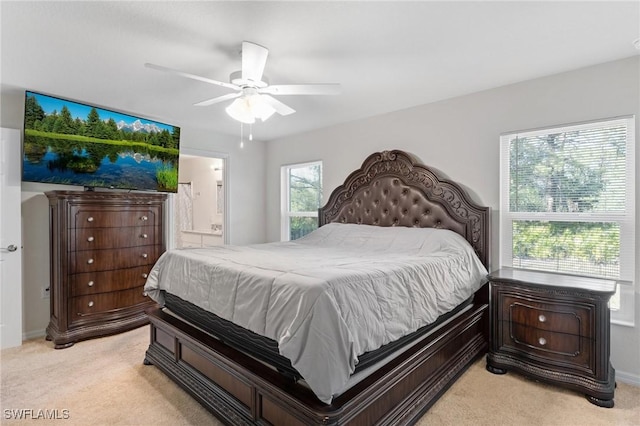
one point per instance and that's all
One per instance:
(90, 261)
(145, 255)
(542, 318)
(90, 283)
(542, 341)
(90, 239)
(144, 218)
(90, 219)
(145, 275)
(144, 236)
(90, 303)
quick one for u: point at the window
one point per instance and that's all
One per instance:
(301, 199)
(567, 203)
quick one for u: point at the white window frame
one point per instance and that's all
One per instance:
(625, 315)
(285, 214)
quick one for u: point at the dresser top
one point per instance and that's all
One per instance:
(552, 279)
(106, 195)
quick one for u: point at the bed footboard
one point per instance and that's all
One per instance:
(240, 390)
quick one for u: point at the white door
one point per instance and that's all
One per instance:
(10, 240)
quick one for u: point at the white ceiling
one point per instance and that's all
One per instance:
(387, 55)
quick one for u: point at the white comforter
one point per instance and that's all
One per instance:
(328, 297)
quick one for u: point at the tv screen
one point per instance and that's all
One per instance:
(71, 143)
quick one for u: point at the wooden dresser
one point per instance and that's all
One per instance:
(553, 328)
(103, 245)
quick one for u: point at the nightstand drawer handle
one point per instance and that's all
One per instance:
(90, 219)
(90, 261)
(542, 318)
(542, 341)
(144, 218)
(90, 239)
(145, 255)
(144, 236)
(90, 283)
(91, 304)
(145, 275)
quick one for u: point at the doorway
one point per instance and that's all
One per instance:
(10, 239)
(199, 208)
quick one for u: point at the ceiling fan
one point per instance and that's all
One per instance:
(252, 89)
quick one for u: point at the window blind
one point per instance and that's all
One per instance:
(567, 199)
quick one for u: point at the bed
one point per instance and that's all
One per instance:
(286, 339)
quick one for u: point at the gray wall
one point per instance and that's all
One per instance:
(460, 137)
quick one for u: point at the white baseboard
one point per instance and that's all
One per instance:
(34, 334)
(628, 378)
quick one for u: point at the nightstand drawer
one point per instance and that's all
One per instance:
(556, 317)
(566, 348)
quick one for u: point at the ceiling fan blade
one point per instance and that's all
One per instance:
(219, 99)
(254, 58)
(192, 76)
(302, 89)
(280, 107)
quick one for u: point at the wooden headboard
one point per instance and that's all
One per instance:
(392, 188)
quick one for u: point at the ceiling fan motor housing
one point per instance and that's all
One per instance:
(236, 78)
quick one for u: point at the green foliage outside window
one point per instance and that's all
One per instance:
(563, 173)
(301, 226)
(573, 247)
(573, 173)
(305, 196)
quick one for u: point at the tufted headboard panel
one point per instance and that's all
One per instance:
(393, 189)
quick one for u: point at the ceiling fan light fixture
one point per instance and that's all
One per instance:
(238, 110)
(249, 107)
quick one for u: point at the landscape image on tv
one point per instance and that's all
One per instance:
(71, 143)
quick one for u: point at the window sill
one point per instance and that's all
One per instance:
(623, 323)
(626, 314)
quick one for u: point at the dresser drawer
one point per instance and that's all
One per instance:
(105, 281)
(87, 308)
(89, 217)
(567, 318)
(104, 260)
(104, 238)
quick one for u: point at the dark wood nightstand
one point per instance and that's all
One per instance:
(554, 328)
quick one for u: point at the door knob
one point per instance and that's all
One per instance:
(12, 247)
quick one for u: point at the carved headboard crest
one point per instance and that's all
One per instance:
(392, 188)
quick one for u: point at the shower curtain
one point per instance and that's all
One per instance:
(184, 211)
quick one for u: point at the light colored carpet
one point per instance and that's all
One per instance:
(103, 382)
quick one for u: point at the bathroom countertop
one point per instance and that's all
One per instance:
(203, 231)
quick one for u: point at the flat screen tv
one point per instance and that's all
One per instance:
(71, 143)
